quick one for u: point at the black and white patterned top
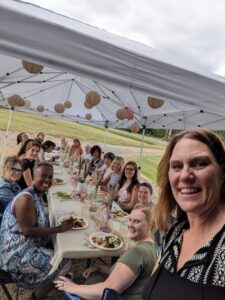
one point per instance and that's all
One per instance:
(206, 266)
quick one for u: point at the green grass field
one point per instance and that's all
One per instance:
(33, 123)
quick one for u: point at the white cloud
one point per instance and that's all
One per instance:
(193, 31)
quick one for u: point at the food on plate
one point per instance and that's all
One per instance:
(57, 181)
(62, 195)
(108, 241)
(78, 223)
(120, 215)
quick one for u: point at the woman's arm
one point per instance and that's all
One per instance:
(25, 212)
(27, 177)
(103, 268)
(91, 292)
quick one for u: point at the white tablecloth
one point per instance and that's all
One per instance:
(70, 244)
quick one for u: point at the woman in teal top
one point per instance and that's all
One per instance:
(130, 273)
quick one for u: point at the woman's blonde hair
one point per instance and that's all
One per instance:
(120, 160)
(166, 204)
(148, 214)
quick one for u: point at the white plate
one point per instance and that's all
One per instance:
(59, 183)
(123, 218)
(67, 217)
(54, 194)
(102, 235)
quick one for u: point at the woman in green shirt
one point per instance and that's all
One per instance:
(130, 273)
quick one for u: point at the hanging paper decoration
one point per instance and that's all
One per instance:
(135, 128)
(88, 116)
(40, 108)
(16, 100)
(129, 113)
(67, 104)
(59, 108)
(155, 102)
(27, 103)
(87, 105)
(121, 114)
(93, 98)
(31, 67)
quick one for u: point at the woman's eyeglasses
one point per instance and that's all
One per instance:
(16, 170)
(129, 169)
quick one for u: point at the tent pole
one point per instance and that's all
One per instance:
(105, 135)
(6, 136)
(142, 143)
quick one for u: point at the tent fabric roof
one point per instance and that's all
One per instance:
(78, 58)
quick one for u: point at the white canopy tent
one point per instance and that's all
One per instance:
(79, 58)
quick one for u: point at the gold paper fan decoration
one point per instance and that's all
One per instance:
(31, 67)
(155, 102)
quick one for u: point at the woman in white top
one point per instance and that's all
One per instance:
(128, 187)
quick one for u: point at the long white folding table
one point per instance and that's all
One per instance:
(71, 244)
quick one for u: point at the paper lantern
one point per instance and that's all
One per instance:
(59, 108)
(129, 113)
(16, 100)
(88, 116)
(27, 103)
(121, 114)
(155, 102)
(67, 104)
(93, 98)
(87, 105)
(134, 127)
(20, 102)
(13, 99)
(31, 67)
(40, 108)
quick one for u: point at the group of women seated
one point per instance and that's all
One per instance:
(191, 179)
(25, 234)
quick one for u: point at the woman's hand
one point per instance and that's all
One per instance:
(66, 225)
(64, 284)
(90, 270)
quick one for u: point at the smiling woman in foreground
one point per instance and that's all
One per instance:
(25, 234)
(191, 181)
(134, 266)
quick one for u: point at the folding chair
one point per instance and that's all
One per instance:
(110, 294)
(6, 278)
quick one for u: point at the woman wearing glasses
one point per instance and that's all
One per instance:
(128, 187)
(12, 171)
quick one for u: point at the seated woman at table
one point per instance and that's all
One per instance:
(76, 150)
(128, 187)
(25, 234)
(145, 192)
(106, 168)
(21, 138)
(116, 170)
(47, 147)
(12, 170)
(134, 266)
(28, 155)
(96, 161)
